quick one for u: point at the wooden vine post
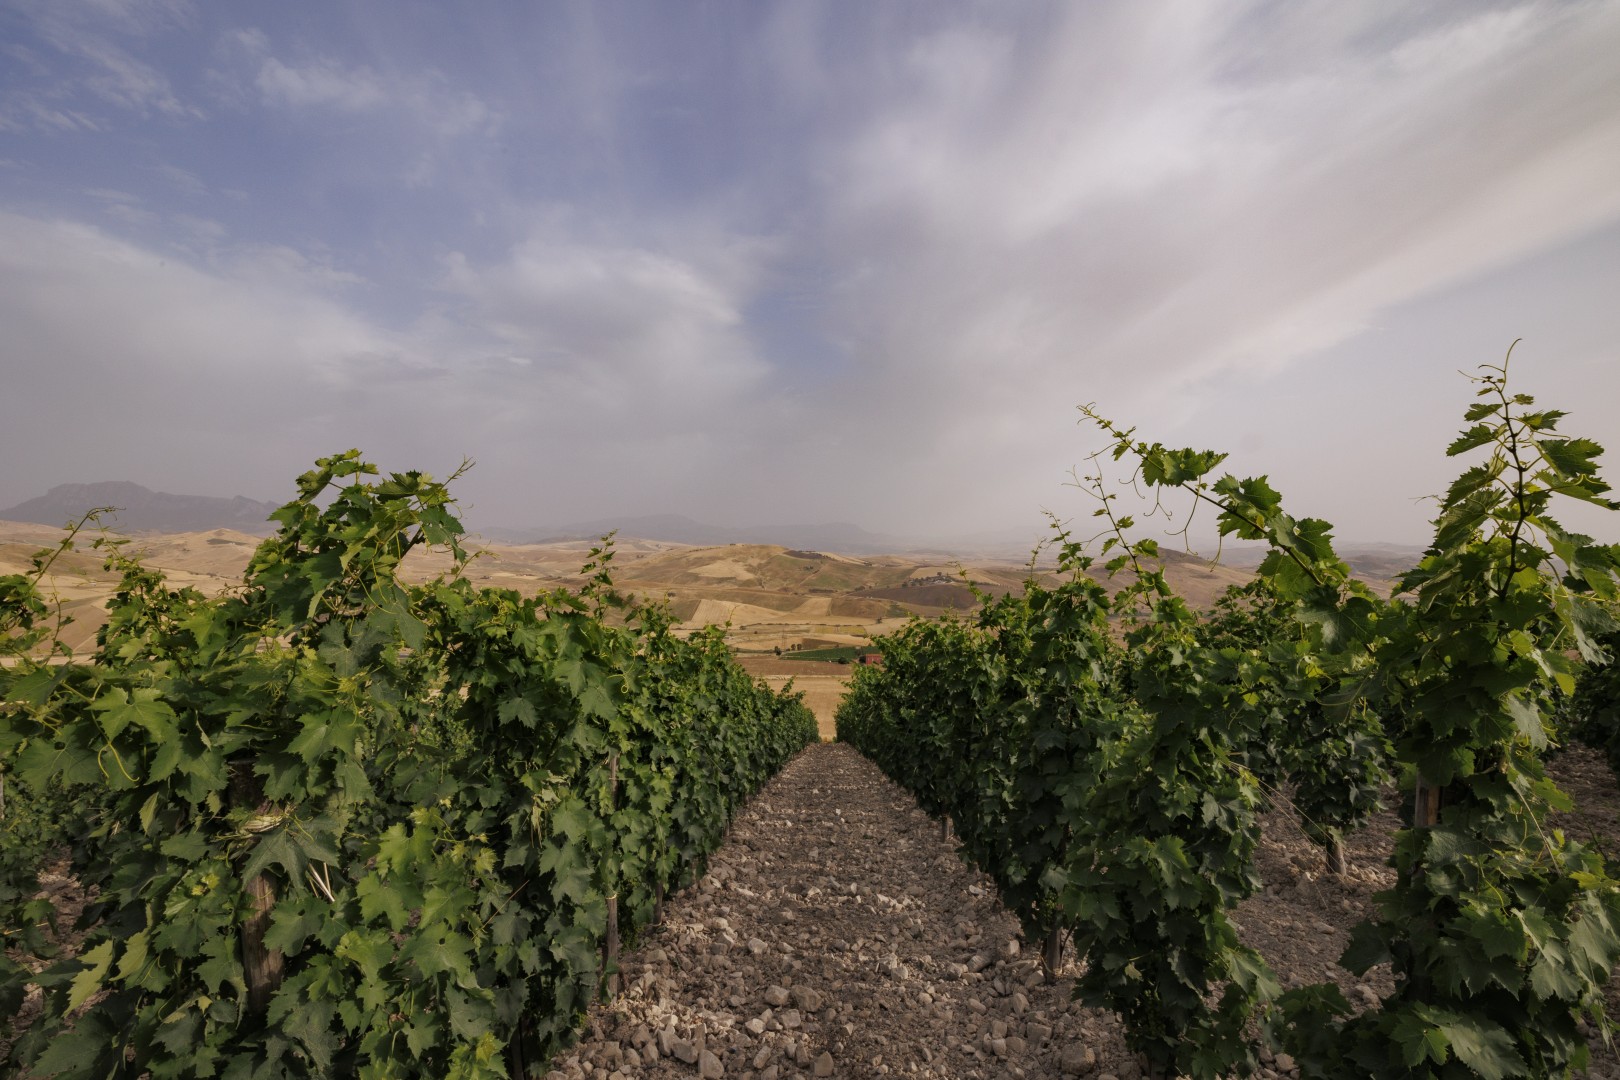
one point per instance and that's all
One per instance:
(517, 1062)
(1425, 815)
(262, 968)
(1052, 953)
(658, 896)
(1425, 804)
(1337, 864)
(610, 944)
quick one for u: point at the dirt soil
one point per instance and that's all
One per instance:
(57, 885)
(836, 934)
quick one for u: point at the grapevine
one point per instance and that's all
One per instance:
(1501, 933)
(345, 824)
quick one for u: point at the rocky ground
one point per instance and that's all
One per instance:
(837, 934)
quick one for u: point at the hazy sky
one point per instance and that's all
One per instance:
(765, 263)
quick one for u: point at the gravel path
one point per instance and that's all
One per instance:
(836, 934)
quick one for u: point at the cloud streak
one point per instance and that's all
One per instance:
(91, 35)
(325, 83)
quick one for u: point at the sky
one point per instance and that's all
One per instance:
(762, 263)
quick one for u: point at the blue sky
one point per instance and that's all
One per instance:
(786, 262)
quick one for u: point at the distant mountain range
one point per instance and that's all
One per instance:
(141, 509)
(678, 529)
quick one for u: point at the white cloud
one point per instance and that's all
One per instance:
(125, 362)
(23, 112)
(1156, 196)
(618, 323)
(182, 180)
(323, 82)
(1469, 42)
(1125, 204)
(96, 33)
(160, 317)
(285, 267)
(230, 370)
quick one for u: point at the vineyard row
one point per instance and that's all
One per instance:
(337, 824)
(1104, 757)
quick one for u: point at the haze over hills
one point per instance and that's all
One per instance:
(141, 509)
(776, 602)
(841, 536)
(680, 529)
(771, 597)
(1370, 560)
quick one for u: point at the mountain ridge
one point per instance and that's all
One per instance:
(140, 509)
(143, 510)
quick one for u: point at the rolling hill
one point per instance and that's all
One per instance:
(772, 597)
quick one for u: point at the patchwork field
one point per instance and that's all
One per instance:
(823, 684)
(774, 601)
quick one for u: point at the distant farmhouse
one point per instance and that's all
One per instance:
(932, 579)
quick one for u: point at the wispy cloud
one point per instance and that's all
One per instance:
(620, 323)
(556, 344)
(325, 83)
(1179, 205)
(322, 83)
(94, 34)
(182, 180)
(21, 112)
(128, 82)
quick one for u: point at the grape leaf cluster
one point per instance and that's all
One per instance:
(1501, 932)
(340, 824)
